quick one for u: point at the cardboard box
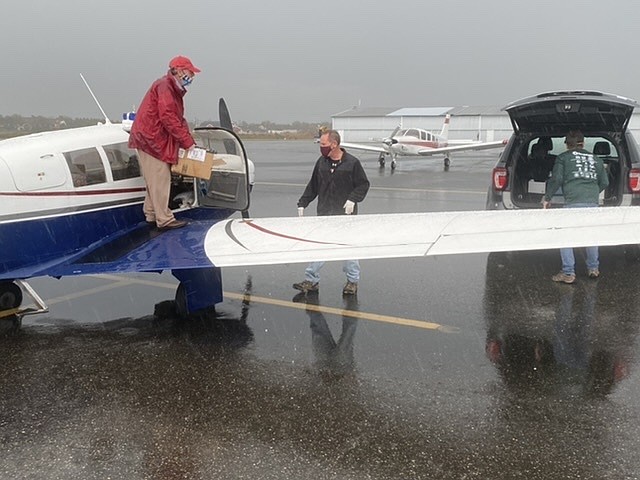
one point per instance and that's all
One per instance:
(196, 162)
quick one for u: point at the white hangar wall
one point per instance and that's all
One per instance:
(467, 123)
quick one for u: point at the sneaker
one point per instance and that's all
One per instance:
(306, 286)
(593, 273)
(350, 288)
(564, 278)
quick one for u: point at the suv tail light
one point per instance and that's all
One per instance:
(501, 178)
(634, 180)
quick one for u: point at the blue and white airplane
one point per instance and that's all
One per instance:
(71, 204)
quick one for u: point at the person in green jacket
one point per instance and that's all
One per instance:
(582, 177)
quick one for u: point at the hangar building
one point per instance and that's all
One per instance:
(467, 123)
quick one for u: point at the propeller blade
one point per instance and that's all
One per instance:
(225, 118)
(390, 140)
(225, 122)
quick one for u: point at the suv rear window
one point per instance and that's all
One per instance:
(533, 165)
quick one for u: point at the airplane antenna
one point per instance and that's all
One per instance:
(106, 119)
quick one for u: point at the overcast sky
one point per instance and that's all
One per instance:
(286, 61)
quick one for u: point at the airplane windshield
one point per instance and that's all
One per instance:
(413, 133)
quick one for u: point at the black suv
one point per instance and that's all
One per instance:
(540, 124)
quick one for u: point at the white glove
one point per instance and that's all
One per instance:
(300, 211)
(348, 207)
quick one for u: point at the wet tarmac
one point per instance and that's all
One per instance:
(456, 367)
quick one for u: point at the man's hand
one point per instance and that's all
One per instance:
(300, 211)
(348, 207)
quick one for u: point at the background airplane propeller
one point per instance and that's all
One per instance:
(390, 140)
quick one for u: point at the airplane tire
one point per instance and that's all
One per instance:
(393, 165)
(10, 295)
(181, 301)
(447, 162)
(381, 162)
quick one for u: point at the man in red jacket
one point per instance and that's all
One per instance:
(158, 131)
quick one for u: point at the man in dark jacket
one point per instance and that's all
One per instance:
(339, 183)
(158, 131)
(582, 177)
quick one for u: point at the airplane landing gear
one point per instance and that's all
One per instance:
(10, 300)
(447, 163)
(10, 296)
(381, 160)
(393, 164)
(199, 290)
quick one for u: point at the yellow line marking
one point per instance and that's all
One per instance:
(344, 312)
(124, 281)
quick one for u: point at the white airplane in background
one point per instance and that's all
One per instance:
(418, 142)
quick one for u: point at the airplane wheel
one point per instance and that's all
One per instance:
(10, 295)
(181, 301)
(447, 162)
(393, 164)
(381, 162)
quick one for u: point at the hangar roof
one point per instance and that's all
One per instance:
(393, 112)
(418, 111)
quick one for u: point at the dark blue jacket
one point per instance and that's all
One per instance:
(347, 182)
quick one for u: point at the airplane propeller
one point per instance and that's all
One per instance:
(225, 122)
(230, 146)
(225, 118)
(390, 140)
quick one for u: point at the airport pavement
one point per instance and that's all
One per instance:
(470, 366)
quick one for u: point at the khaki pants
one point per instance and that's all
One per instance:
(157, 177)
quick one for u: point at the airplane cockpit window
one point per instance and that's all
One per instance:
(423, 135)
(412, 132)
(401, 133)
(86, 167)
(123, 161)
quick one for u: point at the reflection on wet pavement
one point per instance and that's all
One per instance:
(567, 339)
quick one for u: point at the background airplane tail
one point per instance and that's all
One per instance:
(444, 134)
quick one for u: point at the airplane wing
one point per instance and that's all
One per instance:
(364, 147)
(462, 148)
(141, 250)
(268, 241)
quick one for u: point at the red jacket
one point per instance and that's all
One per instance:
(159, 128)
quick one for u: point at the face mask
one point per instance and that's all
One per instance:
(186, 80)
(324, 151)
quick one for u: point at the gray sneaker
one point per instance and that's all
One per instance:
(306, 286)
(350, 288)
(593, 273)
(564, 278)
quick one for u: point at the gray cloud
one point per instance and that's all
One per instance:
(287, 61)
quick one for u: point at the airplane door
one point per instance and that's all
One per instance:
(228, 186)
(44, 172)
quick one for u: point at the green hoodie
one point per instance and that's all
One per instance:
(580, 174)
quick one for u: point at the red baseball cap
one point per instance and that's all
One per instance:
(183, 63)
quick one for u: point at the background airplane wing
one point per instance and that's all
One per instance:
(364, 147)
(462, 148)
(301, 239)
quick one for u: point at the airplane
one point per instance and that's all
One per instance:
(71, 204)
(418, 142)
